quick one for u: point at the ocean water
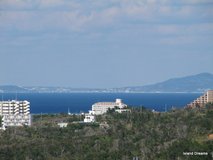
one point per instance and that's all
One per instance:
(82, 102)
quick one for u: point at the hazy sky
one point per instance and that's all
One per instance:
(103, 43)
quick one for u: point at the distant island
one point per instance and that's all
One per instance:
(189, 84)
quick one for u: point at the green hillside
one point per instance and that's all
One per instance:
(141, 133)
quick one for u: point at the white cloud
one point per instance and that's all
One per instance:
(183, 40)
(92, 15)
(195, 1)
(185, 34)
(48, 3)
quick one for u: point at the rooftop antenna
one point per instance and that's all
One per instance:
(16, 96)
(69, 111)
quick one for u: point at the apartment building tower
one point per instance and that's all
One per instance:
(15, 113)
(202, 100)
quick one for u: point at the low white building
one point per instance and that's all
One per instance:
(122, 110)
(16, 120)
(102, 107)
(62, 125)
(15, 113)
(89, 118)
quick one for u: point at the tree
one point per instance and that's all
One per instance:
(0, 121)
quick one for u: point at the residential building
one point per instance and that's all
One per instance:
(15, 113)
(121, 110)
(202, 100)
(102, 107)
(89, 118)
(210, 96)
(62, 125)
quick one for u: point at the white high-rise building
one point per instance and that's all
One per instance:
(15, 113)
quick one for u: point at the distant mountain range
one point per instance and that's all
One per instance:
(195, 83)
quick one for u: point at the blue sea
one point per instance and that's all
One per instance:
(82, 102)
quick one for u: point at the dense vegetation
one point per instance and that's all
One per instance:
(139, 133)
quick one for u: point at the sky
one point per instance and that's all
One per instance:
(103, 43)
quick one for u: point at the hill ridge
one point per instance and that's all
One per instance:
(194, 83)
